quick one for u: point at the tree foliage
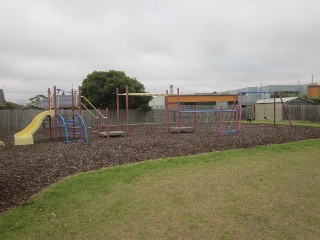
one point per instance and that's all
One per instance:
(9, 106)
(315, 100)
(36, 99)
(285, 94)
(99, 87)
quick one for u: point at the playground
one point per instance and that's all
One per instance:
(27, 170)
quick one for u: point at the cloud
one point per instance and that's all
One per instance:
(207, 45)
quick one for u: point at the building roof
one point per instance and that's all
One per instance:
(2, 100)
(302, 89)
(278, 100)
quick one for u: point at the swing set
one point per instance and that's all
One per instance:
(179, 115)
(230, 119)
(240, 94)
(215, 113)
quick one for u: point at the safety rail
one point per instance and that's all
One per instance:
(99, 114)
(75, 130)
(97, 111)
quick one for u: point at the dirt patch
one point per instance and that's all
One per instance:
(26, 170)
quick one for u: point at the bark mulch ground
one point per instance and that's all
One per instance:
(26, 170)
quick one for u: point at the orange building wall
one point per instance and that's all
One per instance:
(314, 91)
(202, 98)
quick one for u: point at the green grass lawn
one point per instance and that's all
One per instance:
(268, 192)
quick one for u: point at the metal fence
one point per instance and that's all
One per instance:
(16, 120)
(308, 113)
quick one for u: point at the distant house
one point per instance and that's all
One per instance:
(63, 102)
(2, 100)
(8, 105)
(264, 109)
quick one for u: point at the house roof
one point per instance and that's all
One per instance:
(2, 100)
(278, 100)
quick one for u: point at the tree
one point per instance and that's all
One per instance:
(9, 106)
(285, 94)
(36, 99)
(99, 87)
(315, 100)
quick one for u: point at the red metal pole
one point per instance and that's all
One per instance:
(285, 110)
(221, 120)
(274, 108)
(55, 113)
(179, 126)
(181, 117)
(237, 118)
(194, 117)
(99, 122)
(79, 99)
(118, 110)
(240, 112)
(167, 110)
(107, 122)
(233, 107)
(49, 93)
(72, 110)
(127, 109)
(72, 104)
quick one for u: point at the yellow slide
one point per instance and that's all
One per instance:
(25, 136)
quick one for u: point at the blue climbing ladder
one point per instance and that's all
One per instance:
(75, 129)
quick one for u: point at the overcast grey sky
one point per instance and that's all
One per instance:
(198, 46)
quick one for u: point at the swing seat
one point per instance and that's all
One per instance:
(230, 131)
(181, 130)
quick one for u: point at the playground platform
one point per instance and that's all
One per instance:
(181, 130)
(113, 134)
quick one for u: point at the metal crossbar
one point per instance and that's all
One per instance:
(206, 111)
